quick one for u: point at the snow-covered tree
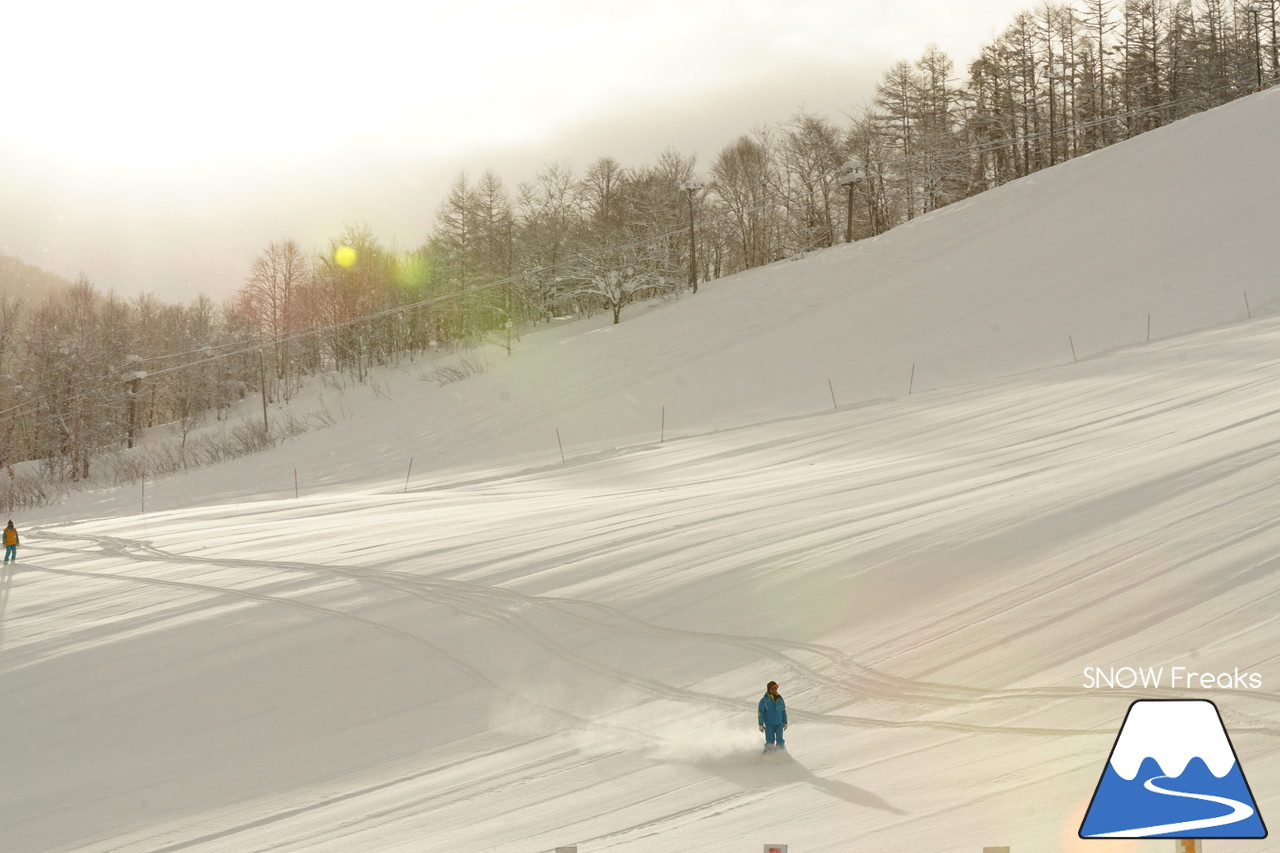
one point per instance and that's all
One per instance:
(618, 273)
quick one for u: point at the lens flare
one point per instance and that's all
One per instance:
(412, 272)
(344, 256)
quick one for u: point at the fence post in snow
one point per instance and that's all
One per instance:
(834, 405)
(662, 436)
(406, 476)
(1073, 349)
(1148, 327)
(295, 484)
(912, 384)
(561, 443)
(1247, 309)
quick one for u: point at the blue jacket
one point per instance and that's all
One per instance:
(773, 712)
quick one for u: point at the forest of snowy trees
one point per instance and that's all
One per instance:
(89, 372)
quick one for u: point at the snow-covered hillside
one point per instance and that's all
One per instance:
(511, 653)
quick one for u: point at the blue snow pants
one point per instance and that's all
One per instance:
(11, 553)
(773, 735)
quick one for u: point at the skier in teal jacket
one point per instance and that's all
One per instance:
(773, 718)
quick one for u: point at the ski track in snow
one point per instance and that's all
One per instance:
(467, 670)
(501, 607)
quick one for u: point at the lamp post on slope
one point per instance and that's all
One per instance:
(854, 171)
(689, 188)
(1051, 74)
(1257, 9)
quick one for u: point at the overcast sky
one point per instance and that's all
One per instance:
(158, 146)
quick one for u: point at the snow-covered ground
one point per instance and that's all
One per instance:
(501, 651)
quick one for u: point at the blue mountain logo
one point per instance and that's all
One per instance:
(1173, 773)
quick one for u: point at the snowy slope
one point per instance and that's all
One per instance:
(1177, 224)
(516, 654)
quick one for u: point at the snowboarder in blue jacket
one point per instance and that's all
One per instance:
(773, 718)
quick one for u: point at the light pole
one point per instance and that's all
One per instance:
(689, 188)
(1257, 9)
(854, 171)
(1051, 74)
(134, 378)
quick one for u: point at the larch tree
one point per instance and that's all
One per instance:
(276, 279)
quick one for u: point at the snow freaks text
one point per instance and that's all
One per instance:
(1174, 677)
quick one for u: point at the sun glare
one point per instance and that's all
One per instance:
(345, 256)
